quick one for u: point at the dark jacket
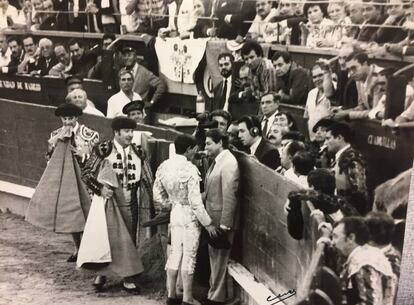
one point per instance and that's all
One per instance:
(367, 32)
(218, 99)
(267, 154)
(391, 35)
(43, 67)
(244, 105)
(241, 11)
(296, 84)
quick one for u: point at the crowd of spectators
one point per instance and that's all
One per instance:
(245, 104)
(377, 26)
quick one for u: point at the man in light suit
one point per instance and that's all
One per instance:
(221, 186)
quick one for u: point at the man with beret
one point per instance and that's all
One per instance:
(125, 95)
(61, 201)
(135, 111)
(129, 163)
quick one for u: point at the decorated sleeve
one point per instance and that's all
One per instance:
(90, 172)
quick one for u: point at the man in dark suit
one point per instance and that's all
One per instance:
(231, 15)
(226, 87)
(47, 58)
(220, 195)
(250, 133)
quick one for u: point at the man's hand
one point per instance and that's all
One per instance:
(227, 19)
(106, 192)
(340, 115)
(212, 230)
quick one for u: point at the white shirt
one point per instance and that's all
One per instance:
(117, 101)
(254, 146)
(92, 110)
(318, 106)
(11, 12)
(226, 103)
(5, 58)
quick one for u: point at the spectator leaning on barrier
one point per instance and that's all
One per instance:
(82, 59)
(262, 75)
(367, 274)
(150, 15)
(250, 133)
(348, 166)
(341, 32)
(47, 58)
(96, 71)
(31, 55)
(365, 75)
(8, 14)
(292, 81)
(396, 17)
(5, 52)
(261, 29)
(357, 18)
(16, 57)
(117, 101)
(65, 66)
(318, 104)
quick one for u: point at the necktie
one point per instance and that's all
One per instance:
(125, 168)
(223, 94)
(265, 128)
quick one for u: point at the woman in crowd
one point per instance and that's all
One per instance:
(316, 30)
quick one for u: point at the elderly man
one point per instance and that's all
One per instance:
(250, 133)
(79, 98)
(221, 185)
(117, 101)
(47, 58)
(177, 187)
(367, 275)
(292, 81)
(128, 191)
(61, 202)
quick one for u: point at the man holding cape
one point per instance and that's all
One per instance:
(119, 172)
(61, 200)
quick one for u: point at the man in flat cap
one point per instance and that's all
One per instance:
(61, 201)
(131, 192)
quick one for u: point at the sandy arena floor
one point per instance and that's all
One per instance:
(33, 270)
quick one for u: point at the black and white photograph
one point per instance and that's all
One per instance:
(206, 152)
